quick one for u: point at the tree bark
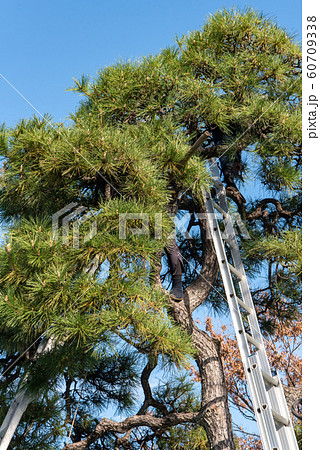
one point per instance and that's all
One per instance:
(146, 420)
(215, 415)
(292, 394)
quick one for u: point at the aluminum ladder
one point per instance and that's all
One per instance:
(270, 406)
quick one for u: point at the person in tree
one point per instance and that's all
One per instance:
(176, 269)
(175, 260)
(231, 168)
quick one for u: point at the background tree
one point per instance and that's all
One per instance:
(127, 151)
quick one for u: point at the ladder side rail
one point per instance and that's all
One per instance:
(252, 318)
(278, 398)
(286, 433)
(247, 298)
(263, 413)
(243, 284)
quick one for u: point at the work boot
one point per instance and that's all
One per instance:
(176, 292)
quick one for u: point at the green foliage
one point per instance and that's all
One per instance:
(184, 437)
(298, 431)
(287, 251)
(44, 287)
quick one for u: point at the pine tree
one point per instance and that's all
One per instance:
(102, 300)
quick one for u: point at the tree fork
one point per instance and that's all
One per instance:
(214, 416)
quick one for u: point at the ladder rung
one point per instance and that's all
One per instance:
(217, 183)
(279, 418)
(253, 341)
(235, 271)
(3, 432)
(276, 416)
(218, 208)
(269, 379)
(244, 306)
(228, 240)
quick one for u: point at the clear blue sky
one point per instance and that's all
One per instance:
(45, 44)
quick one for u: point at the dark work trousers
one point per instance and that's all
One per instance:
(175, 262)
(174, 258)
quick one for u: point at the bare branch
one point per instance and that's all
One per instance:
(146, 420)
(194, 148)
(259, 212)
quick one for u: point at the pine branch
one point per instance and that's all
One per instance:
(194, 149)
(270, 218)
(259, 212)
(147, 420)
(148, 400)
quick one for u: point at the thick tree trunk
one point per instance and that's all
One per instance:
(22, 400)
(215, 414)
(216, 417)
